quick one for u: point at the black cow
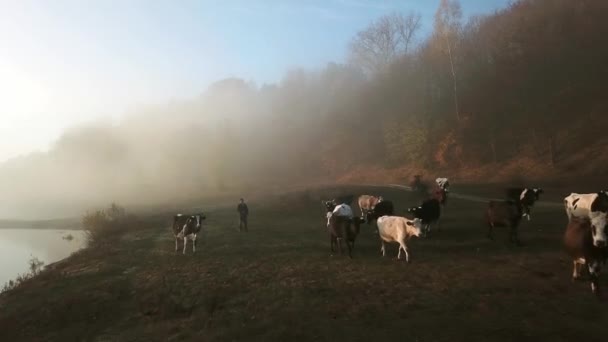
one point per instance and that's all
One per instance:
(428, 212)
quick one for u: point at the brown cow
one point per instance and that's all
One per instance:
(367, 203)
(342, 228)
(504, 214)
(584, 249)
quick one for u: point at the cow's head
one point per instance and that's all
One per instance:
(415, 210)
(537, 192)
(196, 220)
(414, 227)
(380, 199)
(598, 228)
(199, 218)
(330, 205)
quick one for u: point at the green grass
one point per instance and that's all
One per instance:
(279, 283)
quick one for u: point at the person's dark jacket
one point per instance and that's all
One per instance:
(242, 209)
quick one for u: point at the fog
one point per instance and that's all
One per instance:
(233, 138)
(465, 100)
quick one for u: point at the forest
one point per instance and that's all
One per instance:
(515, 94)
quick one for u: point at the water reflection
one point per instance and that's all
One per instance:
(18, 246)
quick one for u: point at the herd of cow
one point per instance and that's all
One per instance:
(585, 238)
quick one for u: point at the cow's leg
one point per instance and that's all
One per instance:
(382, 248)
(350, 250)
(176, 243)
(194, 243)
(340, 245)
(515, 237)
(594, 272)
(185, 244)
(403, 247)
(491, 231)
(575, 272)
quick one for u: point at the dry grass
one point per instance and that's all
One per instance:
(278, 282)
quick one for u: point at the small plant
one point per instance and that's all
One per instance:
(68, 237)
(35, 267)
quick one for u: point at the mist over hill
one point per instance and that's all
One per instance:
(516, 93)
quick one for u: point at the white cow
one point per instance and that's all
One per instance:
(398, 229)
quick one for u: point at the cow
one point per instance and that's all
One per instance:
(428, 212)
(582, 205)
(505, 214)
(367, 203)
(187, 227)
(586, 244)
(342, 228)
(443, 183)
(441, 195)
(381, 209)
(526, 196)
(397, 229)
(337, 209)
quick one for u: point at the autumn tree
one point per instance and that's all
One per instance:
(385, 39)
(447, 27)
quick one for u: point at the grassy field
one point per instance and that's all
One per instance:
(278, 282)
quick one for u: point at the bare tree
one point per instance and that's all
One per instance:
(387, 38)
(447, 26)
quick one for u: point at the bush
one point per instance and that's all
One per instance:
(106, 224)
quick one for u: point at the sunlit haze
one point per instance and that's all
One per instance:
(67, 62)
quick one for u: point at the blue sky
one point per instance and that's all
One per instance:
(64, 62)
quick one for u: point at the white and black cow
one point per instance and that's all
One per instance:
(187, 227)
(586, 205)
(443, 183)
(524, 196)
(333, 208)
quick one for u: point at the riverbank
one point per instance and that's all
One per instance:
(279, 282)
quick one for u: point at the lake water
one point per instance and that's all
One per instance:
(18, 246)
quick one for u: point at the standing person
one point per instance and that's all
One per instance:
(243, 213)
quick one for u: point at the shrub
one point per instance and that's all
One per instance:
(106, 224)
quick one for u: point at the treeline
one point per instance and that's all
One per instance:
(523, 84)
